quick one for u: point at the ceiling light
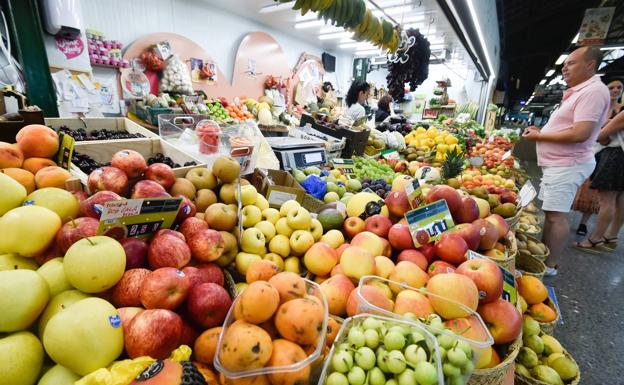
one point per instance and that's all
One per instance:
(550, 72)
(611, 48)
(561, 59)
(330, 28)
(392, 11)
(276, 7)
(335, 35)
(309, 24)
(385, 3)
(358, 45)
(542, 82)
(576, 37)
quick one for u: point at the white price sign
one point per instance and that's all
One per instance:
(506, 155)
(527, 193)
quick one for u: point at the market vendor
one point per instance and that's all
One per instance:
(383, 108)
(356, 97)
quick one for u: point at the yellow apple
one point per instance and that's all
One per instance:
(334, 238)
(89, 328)
(281, 226)
(28, 230)
(13, 262)
(58, 303)
(251, 215)
(249, 194)
(253, 241)
(292, 265)
(271, 215)
(280, 244)
(24, 296)
(261, 202)
(316, 228)
(275, 258)
(267, 228)
(58, 375)
(21, 358)
(287, 206)
(244, 260)
(300, 242)
(54, 274)
(299, 219)
(383, 266)
(13, 193)
(62, 202)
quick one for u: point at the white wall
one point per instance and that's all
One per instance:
(218, 32)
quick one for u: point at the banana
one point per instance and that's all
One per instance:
(338, 11)
(305, 7)
(325, 4)
(298, 5)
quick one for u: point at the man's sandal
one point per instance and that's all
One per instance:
(610, 243)
(595, 247)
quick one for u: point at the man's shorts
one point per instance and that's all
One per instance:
(559, 185)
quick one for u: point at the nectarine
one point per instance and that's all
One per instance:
(35, 164)
(10, 155)
(25, 178)
(37, 140)
(51, 176)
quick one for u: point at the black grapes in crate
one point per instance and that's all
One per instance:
(81, 134)
(87, 164)
(379, 186)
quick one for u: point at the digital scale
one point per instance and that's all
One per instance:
(298, 153)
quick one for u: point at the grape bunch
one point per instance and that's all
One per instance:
(81, 134)
(85, 162)
(378, 352)
(413, 69)
(369, 168)
(161, 158)
(380, 186)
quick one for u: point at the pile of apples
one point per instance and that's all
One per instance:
(492, 153)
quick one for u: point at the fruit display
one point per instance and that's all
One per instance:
(81, 134)
(430, 144)
(530, 246)
(538, 304)
(529, 224)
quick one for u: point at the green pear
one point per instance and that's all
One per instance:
(530, 326)
(565, 367)
(24, 296)
(13, 193)
(54, 274)
(547, 375)
(534, 343)
(59, 302)
(13, 262)
(21, 357)
(59, 375)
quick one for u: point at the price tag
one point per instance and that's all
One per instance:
(391, 153)
(344, 165)
(527, 193)
(510, 292)
(506, 155)
(414, 193)
(137, 217)
(66, 151)
(427, 223)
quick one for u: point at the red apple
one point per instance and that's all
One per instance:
(449, 194)
(130, 162)
(486, 275)
(75, 230)
(467, 212)
(154, 333)
(93, 206)
(211, 273)
(500, 223)
(168, 249)
(192, 225)
(469, 327)
(489, 234)
(127, 314)
(108, 179)
(127, 291)
(147, 189)
(194, 276)
(447, 290)
(187, 209)
(353, 226)
(80, 195)
(503, 320)
(440, 267)
(342, 248)
(378, 224)
(207, 305)
(136, 252)
(400, 237)
(397, 203)
(189, 334)
(451, 248)
(164, 288)
(206, 245)
(387, 248)
(469, 232)
(428, 250)
(161, 174)
(415, 257)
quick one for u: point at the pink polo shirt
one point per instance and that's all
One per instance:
(585, 102)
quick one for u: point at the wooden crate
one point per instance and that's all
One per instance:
(102, 151)
(92, 124)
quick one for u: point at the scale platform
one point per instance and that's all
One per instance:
(298, 153)
(285, 143)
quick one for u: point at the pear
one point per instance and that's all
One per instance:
(527, 357)
(21, 358)
(547, 375)
(551, 345)
(565, 367)
(535, 343)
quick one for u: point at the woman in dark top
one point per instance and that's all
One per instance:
(383, 108)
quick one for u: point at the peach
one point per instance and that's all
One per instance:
(35, 164)
(37, 140)
(356, 262)
(383, 266)
(289, 285)
(411, 301)
(372, 295)
(407, 273)
(300, 320)
(383, 287)
(450, 290)
(258, 302)
(370, 242)
(10, 155)
(320, 259)
(261, 270)
(51, 176)
(337, 290)
(25, 178)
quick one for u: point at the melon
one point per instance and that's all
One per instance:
(358, 202)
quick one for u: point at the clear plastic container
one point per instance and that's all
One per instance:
(475, 333)
(312, 289)
(357, 320)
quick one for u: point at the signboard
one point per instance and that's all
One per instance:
(595, 25)
(527, 193)
(427, 223)
(137, 217)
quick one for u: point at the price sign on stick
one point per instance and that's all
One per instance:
(137, 217)
(527, 193)
(427, 223)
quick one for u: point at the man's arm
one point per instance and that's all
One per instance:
(579, 132)
(616, 124)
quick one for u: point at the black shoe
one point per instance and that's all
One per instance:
(582, 229)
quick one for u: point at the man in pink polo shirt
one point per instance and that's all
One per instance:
(564, 145)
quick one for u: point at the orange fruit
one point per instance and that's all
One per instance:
(206, 345)
(542, 312)
(532, 289)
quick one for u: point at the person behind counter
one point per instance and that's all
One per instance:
(356, 97)
(383, 108)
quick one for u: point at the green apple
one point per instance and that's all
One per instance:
(24, 296)
(341, 190)
(331, 197)
(267, 228)
(62, 202)
(13, 193)
(334, 238)
(332, 187)
(299, 176)
(316, 229)
(13, 262)
(54, 274)
(249, 194)
(251, 215)
(281, 226)
(354, 185)
(59, 375)
(301, 241)
(261, 202)
(244, 260)
(271, 215)
(84, 337)
(28, 230)
(280, 244)
(299, 219)
(59, 302)
(287, 206)
(94, 264)
(21, 358)
(253, 241)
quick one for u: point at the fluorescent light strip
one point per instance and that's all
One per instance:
(330, 29)
(575, 39)
(277, 7)
(542, 82)
(561, 59)
(336, 35)
(358, 45)
(475, 18)
(309, 24)
(392, 11)
(550, 72)
(611, 48)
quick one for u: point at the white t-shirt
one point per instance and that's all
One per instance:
(355, 111)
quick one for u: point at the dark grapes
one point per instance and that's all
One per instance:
(81, 134)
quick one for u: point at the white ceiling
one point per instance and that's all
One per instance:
(422, 14)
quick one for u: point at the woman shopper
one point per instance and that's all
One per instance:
(608, 179)
(586, 200)
(356, 97)
(383, 108)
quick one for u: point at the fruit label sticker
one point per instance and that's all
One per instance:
(114, 320)
(509, 281)
(66, 150)
(414, 193)
(527, 193)
(138, 217)
(427, 223)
